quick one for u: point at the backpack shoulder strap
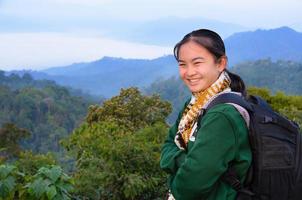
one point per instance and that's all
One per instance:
(230, 176)
(230, 98)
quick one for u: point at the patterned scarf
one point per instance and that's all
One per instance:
(193, 110)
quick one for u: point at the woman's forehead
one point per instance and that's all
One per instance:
(193, 50)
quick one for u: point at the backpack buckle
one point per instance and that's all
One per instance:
(236, 184)
(230, 177)
(268, 119)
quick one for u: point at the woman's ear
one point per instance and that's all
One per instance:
(222, 63)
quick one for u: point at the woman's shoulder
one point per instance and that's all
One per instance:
(226, 111)
(223, 108)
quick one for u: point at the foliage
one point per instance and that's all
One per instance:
(10, 136)
(8, 175)
(115, 165)
(118, 148)
(16, 82)
(49, 183)
(48, 111)
(130, 110)
(277, 76)
(29, 163)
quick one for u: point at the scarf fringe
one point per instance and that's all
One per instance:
(198, 101)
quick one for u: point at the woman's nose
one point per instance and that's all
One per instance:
(190, 70)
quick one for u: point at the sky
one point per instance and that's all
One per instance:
(37, 34)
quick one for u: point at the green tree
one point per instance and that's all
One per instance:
(275, 75)
(118, 148)
(10, 136)
(48, 111)
(130, 110)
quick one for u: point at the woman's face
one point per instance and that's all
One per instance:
(197, 66)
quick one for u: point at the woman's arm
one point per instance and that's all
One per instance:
(171, 155)
(208, 159)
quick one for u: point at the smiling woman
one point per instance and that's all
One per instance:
(198, 150)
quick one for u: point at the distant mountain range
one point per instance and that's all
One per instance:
(107, 75)
(278, 44)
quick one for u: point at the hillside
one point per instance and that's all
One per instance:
(48, 111)
(278, 75)
(107, 75)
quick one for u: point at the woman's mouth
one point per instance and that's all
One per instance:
(193, 81)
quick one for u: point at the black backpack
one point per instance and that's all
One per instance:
(276, 169)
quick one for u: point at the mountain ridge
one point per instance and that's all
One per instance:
(107, 75)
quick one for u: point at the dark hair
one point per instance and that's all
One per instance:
(211, 41)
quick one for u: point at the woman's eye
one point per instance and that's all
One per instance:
(197, 63)
(181, 65)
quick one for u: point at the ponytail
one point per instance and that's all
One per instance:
(237, 84)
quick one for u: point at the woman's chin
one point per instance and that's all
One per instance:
(195, 89)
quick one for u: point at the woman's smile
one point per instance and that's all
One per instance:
(194, 81)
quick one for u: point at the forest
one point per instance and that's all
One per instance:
(58, 143)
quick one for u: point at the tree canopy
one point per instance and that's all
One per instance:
(118, 148)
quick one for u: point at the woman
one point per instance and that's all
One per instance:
(198, 151)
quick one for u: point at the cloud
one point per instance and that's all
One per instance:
(79, 2)
(242, 12)
(106, 17)
(42, 50)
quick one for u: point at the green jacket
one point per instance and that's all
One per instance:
(195, 174)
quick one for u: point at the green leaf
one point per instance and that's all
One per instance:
(7, 186)
(5, 170)
(21, 174)
(65, 187)
(58, 197)
(54, 173)
(37, 188)
(51, 192)
(3, 191)
(22, 192)
(9, 182)
(43, 171)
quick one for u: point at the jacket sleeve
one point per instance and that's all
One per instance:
(171, 156)
(207, 160)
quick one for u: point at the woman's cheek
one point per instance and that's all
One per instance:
(182, 73)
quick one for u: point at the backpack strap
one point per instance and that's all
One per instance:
(225, 98)
(230, 176)
(230, 98)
